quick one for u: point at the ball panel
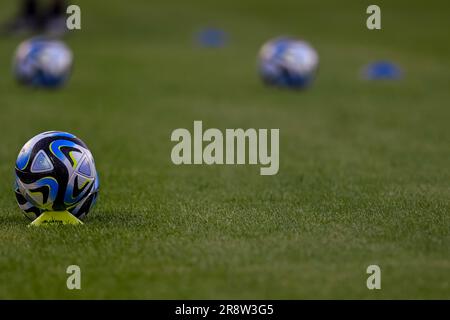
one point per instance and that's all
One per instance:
(30, 211)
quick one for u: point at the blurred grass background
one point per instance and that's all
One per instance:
(364, 176)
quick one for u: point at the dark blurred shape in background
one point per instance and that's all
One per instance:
(34, 17)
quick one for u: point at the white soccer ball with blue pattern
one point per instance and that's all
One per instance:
(55, 171)
(288, 62)
(41, 62)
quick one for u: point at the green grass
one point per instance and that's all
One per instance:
(364, 174)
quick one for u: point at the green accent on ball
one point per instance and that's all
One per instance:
(75, 162)
(51, 218)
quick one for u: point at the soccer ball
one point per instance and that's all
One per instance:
(287, 62)
(41, 62)
(55, 171)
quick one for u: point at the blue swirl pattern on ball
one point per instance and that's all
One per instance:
(55, 171)
(41, 62)
(287, 62)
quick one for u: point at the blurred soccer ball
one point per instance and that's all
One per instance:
(43, 62)
(55, 171)
(287, 62)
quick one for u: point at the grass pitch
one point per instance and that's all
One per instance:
(364, 167)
